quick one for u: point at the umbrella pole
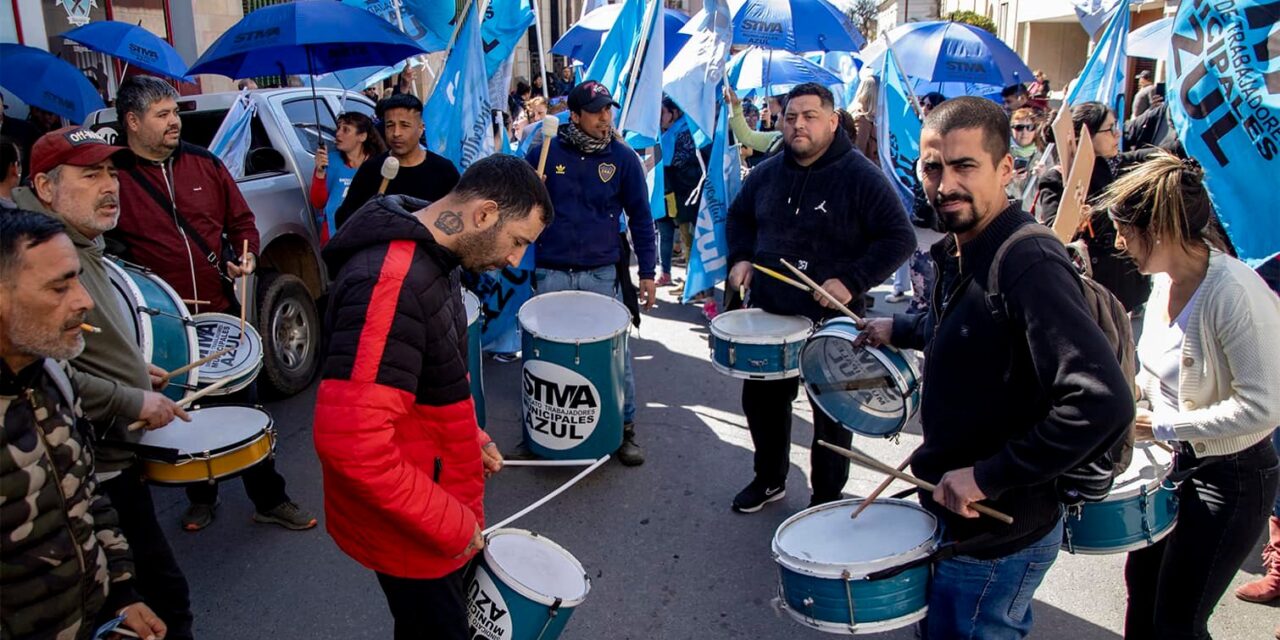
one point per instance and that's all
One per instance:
(906, 84)
(315, 101)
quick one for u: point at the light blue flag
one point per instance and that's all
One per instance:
(640, 118)
(505, 21)
(1103, 77)
(657, 191)
(709, 259)
(616, 52)
(457, 116)
(897, 130)
(421, 18)
(693, 79)
(1224, 97)
(1094, 13)
(231, 142)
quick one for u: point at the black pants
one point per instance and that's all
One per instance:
(428, 609)
(1174, 584)
(767, 406)
(262, 483)
(159, 580)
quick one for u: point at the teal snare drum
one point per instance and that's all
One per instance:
(873, 391)
(167, 337)
(475, 352)
(825, 561)
(217, 332)
(1140, 511)
(525, 587)
(755, 345)
(573, 346)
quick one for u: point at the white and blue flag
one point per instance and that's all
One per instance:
(897, 130)
(693, 79)
(457, 116)
(709, 257)
(1103, 77)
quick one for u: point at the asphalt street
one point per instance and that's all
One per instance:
(666, 556)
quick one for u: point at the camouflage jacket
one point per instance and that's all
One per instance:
(62, 556)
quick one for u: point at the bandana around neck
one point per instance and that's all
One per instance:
(571, 135)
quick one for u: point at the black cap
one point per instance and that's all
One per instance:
(591, 96)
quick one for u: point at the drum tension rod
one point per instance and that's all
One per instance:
(208, 465)
(848, 597)
(551, 617)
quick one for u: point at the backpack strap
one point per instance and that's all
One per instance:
(60, 380)
(994, 299)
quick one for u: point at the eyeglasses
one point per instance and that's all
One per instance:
(1024, 127)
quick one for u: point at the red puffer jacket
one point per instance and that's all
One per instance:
(395, 425)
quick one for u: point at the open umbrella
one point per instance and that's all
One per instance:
(950, 52)
(1151, 40)
(583, 39)
(793, 25)
(132, 44)
(44, 80)
(771, 70)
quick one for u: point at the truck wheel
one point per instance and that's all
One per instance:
(290, 329)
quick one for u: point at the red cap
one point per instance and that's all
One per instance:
(75, 146)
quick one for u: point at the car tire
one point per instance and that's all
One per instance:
(290, 329)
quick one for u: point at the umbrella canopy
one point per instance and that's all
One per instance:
(771, 70)
(308, 37)
(793, 25)
(950, 52)
(1151, 40)
(44, 80)
(132, 44)
(583, 39)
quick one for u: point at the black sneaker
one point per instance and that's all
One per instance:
(757, 495)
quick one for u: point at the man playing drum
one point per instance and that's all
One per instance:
(74, 179)
(179, 201)
(395, 424)
(825, 208)
(1008, 406)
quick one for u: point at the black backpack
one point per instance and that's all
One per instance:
(1091, 481)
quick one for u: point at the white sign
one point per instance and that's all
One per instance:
(488, 614)
(561, 407)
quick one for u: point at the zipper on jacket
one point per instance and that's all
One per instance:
(435, 476)
(173, 203)
(53, 470)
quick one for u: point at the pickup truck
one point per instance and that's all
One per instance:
(291, 279)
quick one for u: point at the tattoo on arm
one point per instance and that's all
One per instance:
(450, 222)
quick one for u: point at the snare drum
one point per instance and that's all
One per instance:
(475, 352)
(755, 345)
(574, 344)
(535, 582)
(166, 334)
(824, 558)
(1140, 511)
(218, 442)
(873, 391)
(218, 331)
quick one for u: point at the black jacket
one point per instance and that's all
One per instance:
(431, 180)
(837, 218)
(1022, 401)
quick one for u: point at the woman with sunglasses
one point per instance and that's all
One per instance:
(1209, 384)
(1096, 232)
(1022, 145)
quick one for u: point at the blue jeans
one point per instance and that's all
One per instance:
(604, 281)
(988, 599)
(666, 241)
(902, 278)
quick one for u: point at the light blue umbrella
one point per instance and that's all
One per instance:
(132, 45)
(44, 80)
(950, 52)
(1151, 40)
(583, 39)
(793, 25)
(771, 70)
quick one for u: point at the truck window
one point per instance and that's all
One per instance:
(302, 113)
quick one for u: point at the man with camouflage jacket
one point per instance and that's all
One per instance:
(64, 564)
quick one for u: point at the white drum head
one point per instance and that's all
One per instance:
(573, 316)
(472, 304)
(218, 331)
(536, 567)
(824, 541)
(211, 429)
(1148, 469)
(754, 326)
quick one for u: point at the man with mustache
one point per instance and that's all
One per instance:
(1009, 404)
(179, 201)
(74, 179)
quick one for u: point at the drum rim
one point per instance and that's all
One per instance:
(798, 336)
(250, 368)
(910, 396)
(492, 565)
(479, 307)
(743, 375)
(122, 279)
(835, 571)
(180, 456)
(535, 334)
(192, 377)
(1151, 486)
(856, 628)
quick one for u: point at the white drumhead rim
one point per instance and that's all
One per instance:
(249, 367)
(205, 422)
(1129, 485)
(720, 327)
(856, 629)
(826, 331)
(530, 307)
(492, 563)
(147, 340)
(859, 569)
(471, 302)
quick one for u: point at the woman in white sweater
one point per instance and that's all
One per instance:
(1209, 384)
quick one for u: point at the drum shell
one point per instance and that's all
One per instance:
(528, 616)
(475, 353)
(843, 410)
(755, 357)
(169, 337)
(1121, 525)
(250, 340)
(600, 362)
(159, 466)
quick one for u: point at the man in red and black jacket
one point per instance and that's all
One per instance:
(176, 203)
(395, 425)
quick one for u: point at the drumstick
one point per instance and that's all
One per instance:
(1162, 445)
(548, 463)
(244, 285)
(195, 302)
(550, 125)
(202, 361)
(85, 326)
(188, 399)
(876, 465)
(547, 498)
(770, 272)
(866, 502)
(830, 298)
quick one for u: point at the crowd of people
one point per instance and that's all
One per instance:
(1024, 384)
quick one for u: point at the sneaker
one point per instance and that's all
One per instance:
(756, 496)
(896, 297)
(629, 453)
(288, 515)
(816, 501)
(199, 516)
(506, 358)
(663, 280)
(520, 452)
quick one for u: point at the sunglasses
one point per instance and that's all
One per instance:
(1024, 127)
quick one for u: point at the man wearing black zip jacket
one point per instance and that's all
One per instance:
(1007, 406)
(823, 207)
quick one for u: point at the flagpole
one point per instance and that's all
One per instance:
(911, 92)
(542, 48)
(637, 63)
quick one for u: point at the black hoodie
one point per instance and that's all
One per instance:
(836, 218)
